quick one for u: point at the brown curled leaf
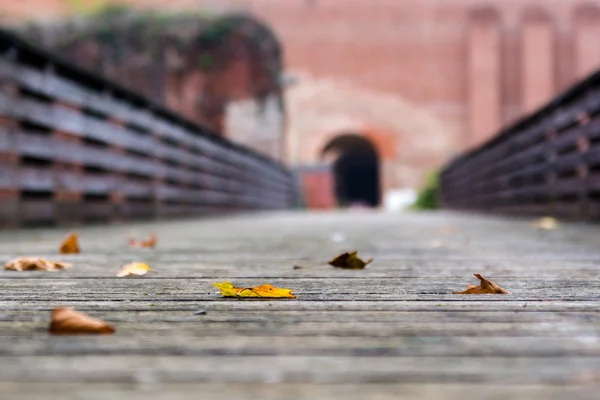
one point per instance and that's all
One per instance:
(70, 245)
(349, 261)
(485, 287)
(34, 264)
(146, 244)
(66, 321)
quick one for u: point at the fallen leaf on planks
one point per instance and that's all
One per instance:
(546, 223)
(35, 264)
(446, 230)
(148, 244)
(485, 287)
(66, 321)
(349, 261)
(228, 290)
(436, 244)
(70, 245)
(134, 268)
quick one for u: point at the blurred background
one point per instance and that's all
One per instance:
(364, 99)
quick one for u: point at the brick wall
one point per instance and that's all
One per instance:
(11, 10)
(318, 184)
(458, 72)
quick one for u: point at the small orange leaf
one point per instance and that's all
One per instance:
(70, 245)
(134, 268)
(228, 290)
(485, 287)
(66, 321)
(150, 243)
(35, 264)
(349, 261)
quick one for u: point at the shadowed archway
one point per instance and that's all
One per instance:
(356, 170)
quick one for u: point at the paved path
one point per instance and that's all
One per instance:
(390, 330)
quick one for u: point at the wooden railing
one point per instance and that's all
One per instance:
(546, 164)
(75, 147)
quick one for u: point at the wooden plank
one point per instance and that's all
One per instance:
(98, 210)
(135, 188)
(275, 391)
(109, 133)
(60, 118)
(322, 369)
(37, 210)
(136, 209)
(64, 119)
(235, 173)
(59, 99)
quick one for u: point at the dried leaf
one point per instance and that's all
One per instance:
(134, 268)
(546, 223)
(349, 261)
(35, 264)
(436, 244)
(150, 243)
(70, 245)
(485, 287)
(228, 290)
(447, 230)
(66, 321)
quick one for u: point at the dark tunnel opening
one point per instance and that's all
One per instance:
(356, 171)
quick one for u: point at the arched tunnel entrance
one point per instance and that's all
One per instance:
(355, 169)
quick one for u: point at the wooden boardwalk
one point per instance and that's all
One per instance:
(394, 330)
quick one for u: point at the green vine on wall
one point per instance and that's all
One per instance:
(144, 38)
(206, 61)
(119, 27)
(427, 198)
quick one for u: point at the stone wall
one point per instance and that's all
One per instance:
(257, 124)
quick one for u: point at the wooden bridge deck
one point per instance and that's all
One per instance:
(392, 330)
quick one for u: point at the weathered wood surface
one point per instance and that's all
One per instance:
(75, 148)
(393, 330)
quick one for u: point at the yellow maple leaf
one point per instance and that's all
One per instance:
(70, 245)
(349, 261)
(134, 268)
(228, 290)
(485, 287)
